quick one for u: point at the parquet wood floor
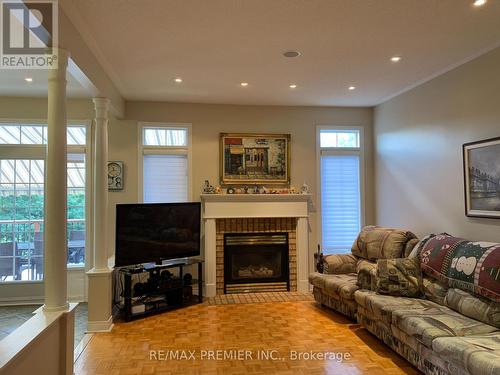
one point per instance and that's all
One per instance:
(280, 329)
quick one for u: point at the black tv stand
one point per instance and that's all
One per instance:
(174, 293)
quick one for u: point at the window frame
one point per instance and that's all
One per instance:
(358, 151)
(163, 150)
(38, 151)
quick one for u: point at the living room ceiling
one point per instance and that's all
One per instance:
(215, 45)
(14, 83)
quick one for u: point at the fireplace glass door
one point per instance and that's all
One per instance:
(254, 258)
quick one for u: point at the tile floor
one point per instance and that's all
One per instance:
(11, 317)
(239, 298)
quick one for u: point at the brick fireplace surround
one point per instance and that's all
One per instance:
(256, 225)
(249, 213)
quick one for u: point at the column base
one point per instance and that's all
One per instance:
(100, 326)
(303, 286)
(100, 300)
(210, 290)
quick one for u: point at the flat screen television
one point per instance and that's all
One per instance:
(153, 232)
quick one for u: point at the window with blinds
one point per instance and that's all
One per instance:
(165, 178)
(165, 164)
(340, 167)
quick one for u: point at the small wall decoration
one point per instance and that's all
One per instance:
(482, 178)
(255, 158)
(115, 175)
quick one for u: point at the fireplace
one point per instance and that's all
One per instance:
(256, 262)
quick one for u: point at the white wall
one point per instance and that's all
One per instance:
(418, 142)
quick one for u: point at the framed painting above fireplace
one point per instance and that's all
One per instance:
(255, 159)
(482, 178)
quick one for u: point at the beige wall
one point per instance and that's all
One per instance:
(419, 137)
(207, 122)
(210, 120)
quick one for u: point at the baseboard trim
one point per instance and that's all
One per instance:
(30, 300)
(34, 300)
(100, 325)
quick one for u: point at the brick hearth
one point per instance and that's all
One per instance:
(255, 225)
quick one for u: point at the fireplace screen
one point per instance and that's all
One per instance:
(255, 258)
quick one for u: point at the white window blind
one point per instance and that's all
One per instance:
(340, 201)
(165, 178)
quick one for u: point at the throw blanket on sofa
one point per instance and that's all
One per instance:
(472, 266)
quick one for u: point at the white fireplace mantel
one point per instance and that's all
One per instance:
(223, 206)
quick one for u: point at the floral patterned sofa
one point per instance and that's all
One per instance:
(344, 274)
(436, 303)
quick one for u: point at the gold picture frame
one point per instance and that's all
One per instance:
(247, 158)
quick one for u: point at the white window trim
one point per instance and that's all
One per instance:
(163, 150)
(39, 152)
(339, 151)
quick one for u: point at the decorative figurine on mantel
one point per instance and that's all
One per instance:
(207, 188)
(304, 189)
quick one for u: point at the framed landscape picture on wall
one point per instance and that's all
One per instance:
(482, 178)
(255, 159)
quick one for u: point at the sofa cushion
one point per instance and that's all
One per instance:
(425, 325)
(382, 307)
(367, 274)
(343, 285)
(399, 277)
(434, 290)
(339, 263)
(381, 243)
(478, 308)
(470, 266)
(409, 247)
(479, 355)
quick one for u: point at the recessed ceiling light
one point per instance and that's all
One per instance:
(292, 86)
(178, 80)
(244, 84)
(352, 88)
(291, 54)
(395, 58)
(28, 79)
(479, 3)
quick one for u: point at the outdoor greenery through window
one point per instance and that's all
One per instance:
(22, 181)
(339, 138)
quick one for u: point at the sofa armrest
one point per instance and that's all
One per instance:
(336, 264)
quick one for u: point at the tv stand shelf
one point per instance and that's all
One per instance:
(174, 293)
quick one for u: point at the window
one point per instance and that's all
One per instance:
(22, 179)
(76, 208)
(165, 154)
(340, 166)
(21, 219)
(339, 138)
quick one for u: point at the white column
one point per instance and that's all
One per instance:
(210, 258)
(302, 254)
(101, 183)
(99, 277)
(56, 257)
